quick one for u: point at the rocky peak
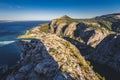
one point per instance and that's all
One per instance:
(65, 17)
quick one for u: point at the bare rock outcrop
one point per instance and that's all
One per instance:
(108, 52)
(49, 57)
(70, 29)
(89, 33)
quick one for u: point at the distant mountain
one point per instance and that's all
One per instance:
(112, 21)
(110, 17)
(6, 21)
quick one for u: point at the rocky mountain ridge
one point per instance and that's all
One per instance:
(64, 42)
(49, 57)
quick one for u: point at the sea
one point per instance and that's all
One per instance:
(9, 32)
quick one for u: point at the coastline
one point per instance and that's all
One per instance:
(9, 50)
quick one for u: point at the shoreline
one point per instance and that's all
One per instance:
(9, 50)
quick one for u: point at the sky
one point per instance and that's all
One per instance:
(50, 9)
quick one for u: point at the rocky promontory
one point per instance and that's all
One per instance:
(49, 57)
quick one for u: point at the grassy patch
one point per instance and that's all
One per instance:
(44, 28)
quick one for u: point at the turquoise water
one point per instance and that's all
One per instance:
(9, 31)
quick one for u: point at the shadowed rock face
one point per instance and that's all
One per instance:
(42, 59)
(83, 48)
(67, 56)
(86, 32)
(108, 52)
(70, 29)
(35, 63)
(60, 28)
(83, 32)
(116, 26)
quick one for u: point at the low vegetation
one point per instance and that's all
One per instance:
(99, 26)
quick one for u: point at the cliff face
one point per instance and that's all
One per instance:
(56, 54)
(89, 33)
(85, 35)
(108, 52)
(50, 58)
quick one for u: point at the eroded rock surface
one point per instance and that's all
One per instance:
(108, 52)
(50, 57)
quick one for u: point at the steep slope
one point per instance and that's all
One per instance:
(90, 33)
(86, 32)
(54, 53)
(110, 21)
(108, 52)
(50, 58)
(97, 39)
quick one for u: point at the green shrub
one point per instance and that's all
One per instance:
(44, 28)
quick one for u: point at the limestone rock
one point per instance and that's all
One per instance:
(70, 29)
(108, 52)
(42, 59)
(47, 67)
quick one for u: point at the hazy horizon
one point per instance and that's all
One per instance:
(50, 9)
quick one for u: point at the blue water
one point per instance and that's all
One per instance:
(9, 31)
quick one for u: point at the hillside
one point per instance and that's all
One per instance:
(84, 34)
(112, 20)
(49, 57)
(63, 46)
